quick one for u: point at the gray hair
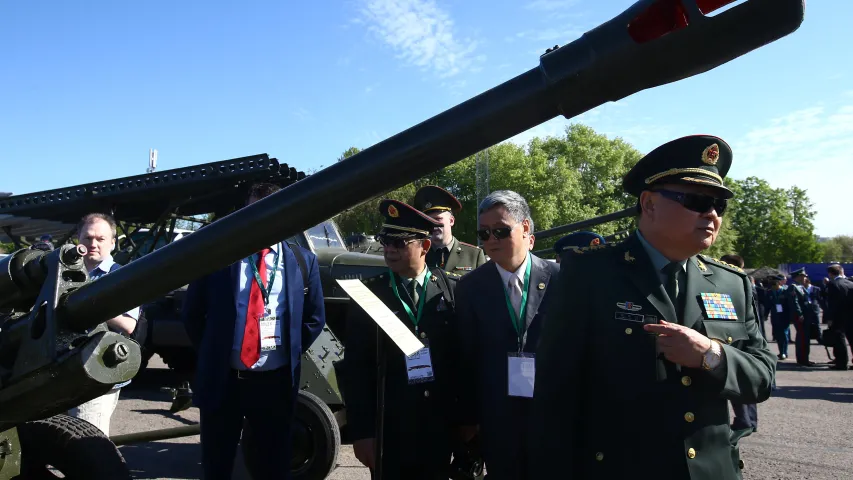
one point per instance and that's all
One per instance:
(514, 203)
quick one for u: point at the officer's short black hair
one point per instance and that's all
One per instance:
(261, 190)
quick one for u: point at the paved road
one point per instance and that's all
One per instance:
(804, 429)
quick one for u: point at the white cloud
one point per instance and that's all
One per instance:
(421, 34)
(810, 148)
(302, 114)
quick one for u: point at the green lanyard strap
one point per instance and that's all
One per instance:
(421, 303)
(265, 291)
(518, 320)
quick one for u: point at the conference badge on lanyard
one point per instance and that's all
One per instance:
(419, 364)
(269, 324)
(521, 366)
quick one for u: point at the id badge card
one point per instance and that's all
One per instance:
(419, 366)
(522, 372)
(778, 308)
(270, 333)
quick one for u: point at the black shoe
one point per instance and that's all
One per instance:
(182, 400)
(807, 363)
(839, 367)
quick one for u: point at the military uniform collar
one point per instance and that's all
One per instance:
(658, 259)
(449, 246)
(420, 278)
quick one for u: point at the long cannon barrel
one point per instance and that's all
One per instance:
(583, 224)
(650, 44)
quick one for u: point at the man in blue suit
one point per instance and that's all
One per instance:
(250, 323)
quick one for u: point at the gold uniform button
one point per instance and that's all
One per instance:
(686, 381)
(691, 453)
(423, 334)
(689, 417)
(729, 340)
(426, 393)
(599, 456)
(628, 331)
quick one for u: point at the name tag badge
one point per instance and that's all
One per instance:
(270, 333)
(419, 366)
(522, 373)
(778, 308)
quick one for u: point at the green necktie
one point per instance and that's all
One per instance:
(414, 292)
(672, 271)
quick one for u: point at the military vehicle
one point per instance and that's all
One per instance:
(54, 351)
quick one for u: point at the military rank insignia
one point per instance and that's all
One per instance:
(719, 306)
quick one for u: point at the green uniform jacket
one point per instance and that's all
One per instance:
(607, 407)
(418, 418)
(459, 258)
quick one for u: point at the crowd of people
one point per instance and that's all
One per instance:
(618, 360)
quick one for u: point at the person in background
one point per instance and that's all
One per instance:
(839, 313)
(446, 251)
(97, 232)
(799, 317)
(250, 324)
(575, 241)
(780, 317)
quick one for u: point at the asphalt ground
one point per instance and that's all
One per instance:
(805, 429)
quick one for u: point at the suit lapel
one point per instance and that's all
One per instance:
(495, 295)
(644, 277)
(293, 286)
(699, 280)
(539, 276)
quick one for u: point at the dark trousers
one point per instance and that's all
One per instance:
(803, 347)
(746, 416)
(265, 400)
(781, 331)
(839, 349)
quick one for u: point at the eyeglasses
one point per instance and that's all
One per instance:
(398, 243)
(696, 202)
(499, 233)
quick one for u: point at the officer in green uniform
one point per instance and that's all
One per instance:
(447, 252)
(799, 301)
(649, 340)
(419, 397)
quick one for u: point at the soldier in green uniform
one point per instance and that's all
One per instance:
(419, 397)
(447, 252)
(649, 340)
(799, 301)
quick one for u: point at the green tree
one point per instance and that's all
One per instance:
(838, 249)
(773, 225)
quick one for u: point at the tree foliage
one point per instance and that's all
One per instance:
(838, 249)
(773, 225)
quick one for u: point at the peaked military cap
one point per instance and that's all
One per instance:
(404, 221)
(577, 240)
(431, 198)
(798, 272)
(692, 160)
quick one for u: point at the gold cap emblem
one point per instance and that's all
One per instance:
(393, 212)
(711, 154)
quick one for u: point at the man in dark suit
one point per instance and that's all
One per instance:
(419, 398)
(648, 341)
(250, 323)
(501, 307)
(839, 314)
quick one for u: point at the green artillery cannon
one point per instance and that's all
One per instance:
(53, 352)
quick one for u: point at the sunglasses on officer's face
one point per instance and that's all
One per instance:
(696, 202)
(499, 233)
(398, 243)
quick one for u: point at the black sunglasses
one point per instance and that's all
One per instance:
(398, 243)
(696, 202)
(499, 233)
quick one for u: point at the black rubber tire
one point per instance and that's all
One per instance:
(72, 446)
(316, 443)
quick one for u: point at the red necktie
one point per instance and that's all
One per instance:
(250, 351)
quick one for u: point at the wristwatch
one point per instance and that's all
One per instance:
(712, 358)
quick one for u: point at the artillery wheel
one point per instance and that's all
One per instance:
(75, 448)
(316, 440)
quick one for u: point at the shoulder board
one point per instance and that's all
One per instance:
(588, 249)
(468, 244)
(453, 275)
(722, 264)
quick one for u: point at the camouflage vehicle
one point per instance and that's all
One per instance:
(55, 352)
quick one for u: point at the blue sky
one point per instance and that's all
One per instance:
(89, 87)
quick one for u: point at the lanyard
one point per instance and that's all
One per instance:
(265, 291)
(518, 320)
(415, 320)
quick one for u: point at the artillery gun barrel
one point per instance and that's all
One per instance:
(590, 222)
(648, 45)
